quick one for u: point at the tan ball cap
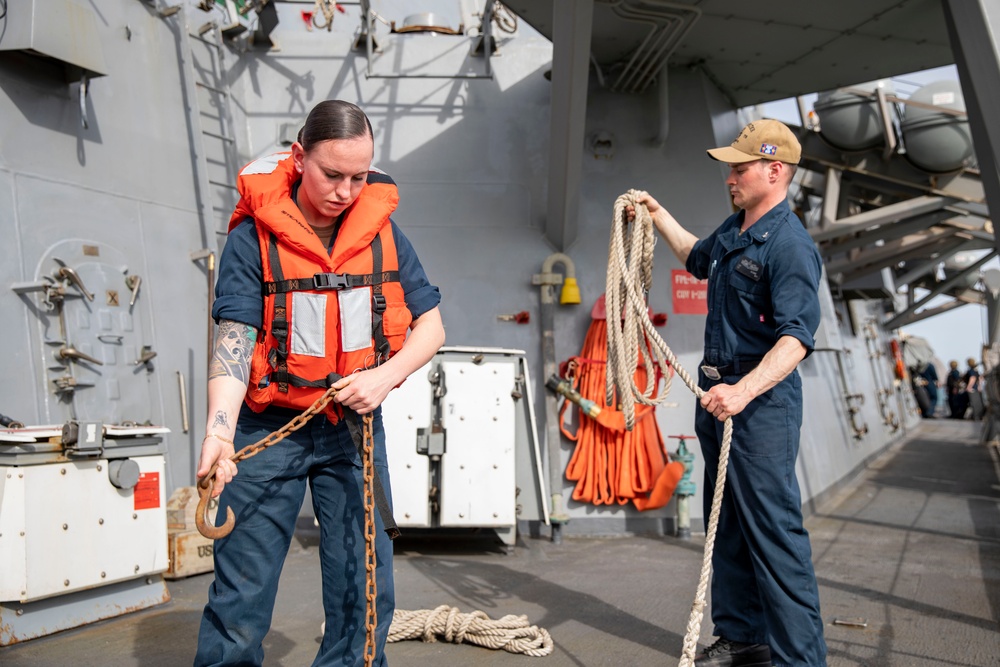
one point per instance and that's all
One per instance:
(761, 139)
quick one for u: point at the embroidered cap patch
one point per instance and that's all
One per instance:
(768, 149)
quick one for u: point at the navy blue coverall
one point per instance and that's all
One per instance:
(269, 490)
(762, 284)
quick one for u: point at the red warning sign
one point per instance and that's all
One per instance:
(147, 492)
(690, 295)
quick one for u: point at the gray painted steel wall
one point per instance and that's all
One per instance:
(470, 157)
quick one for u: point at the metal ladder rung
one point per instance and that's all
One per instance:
(205, 41)
(221, 137)
(212, 88)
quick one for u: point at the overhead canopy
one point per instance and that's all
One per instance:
(758, 52)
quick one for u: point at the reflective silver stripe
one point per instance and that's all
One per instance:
(308, 324)
(355, 318)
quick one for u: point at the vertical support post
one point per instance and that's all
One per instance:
(831, 197)
(488, 37)
(887, 130)
(972, 27)
(369, 27)
(557, 513)
(571, 27)
(548, 281)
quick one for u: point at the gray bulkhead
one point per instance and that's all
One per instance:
(146, 183)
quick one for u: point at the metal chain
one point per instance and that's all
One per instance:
(207, 483)
(368, 466)
(371, 588)
(298, 422)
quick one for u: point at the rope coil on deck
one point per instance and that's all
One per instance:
(511, 633)
(632, 274)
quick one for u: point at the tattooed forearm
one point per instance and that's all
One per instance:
(221, 419)
(233, 349)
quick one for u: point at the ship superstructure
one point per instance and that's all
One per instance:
(510, 128)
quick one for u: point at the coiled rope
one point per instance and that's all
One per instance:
(324, 7)
(631, 275)
(511, 633)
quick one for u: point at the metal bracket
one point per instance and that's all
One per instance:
(432, 441)
(84, 86)
(83, 438)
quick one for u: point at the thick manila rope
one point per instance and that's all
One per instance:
(511, 633)
(631, 275)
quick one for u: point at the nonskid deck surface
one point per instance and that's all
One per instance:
(911, 551)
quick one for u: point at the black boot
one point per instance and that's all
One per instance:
(725, 653)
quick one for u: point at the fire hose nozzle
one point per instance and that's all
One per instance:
(565, 388)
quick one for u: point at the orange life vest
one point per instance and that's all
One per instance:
(305, 344)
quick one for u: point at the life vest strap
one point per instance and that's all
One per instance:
(280, 287)
(330, 281)
(279, 325)
(283, 377)
(382, 348)
(353, 420)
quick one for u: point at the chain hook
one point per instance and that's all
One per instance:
(207, 483)
(205, 487)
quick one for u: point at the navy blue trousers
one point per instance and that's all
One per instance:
(266, 496)
(763, 585)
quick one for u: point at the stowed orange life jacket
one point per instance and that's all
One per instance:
(325, 314)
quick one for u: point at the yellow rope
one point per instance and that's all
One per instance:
(629, 280)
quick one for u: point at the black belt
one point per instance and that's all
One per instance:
(738, 367)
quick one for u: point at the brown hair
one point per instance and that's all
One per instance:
(334, 119)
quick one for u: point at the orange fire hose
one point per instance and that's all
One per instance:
(610, 464)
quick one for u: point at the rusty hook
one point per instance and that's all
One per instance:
(205, 486)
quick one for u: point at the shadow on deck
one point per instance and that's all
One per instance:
(908, 562)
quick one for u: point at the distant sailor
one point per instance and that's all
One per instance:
(287, 329)
(763, 274)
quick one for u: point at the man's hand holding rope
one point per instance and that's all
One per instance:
(725, 400)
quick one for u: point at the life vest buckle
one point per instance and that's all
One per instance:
(337, 281)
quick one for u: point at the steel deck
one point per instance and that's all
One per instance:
(911, 547)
